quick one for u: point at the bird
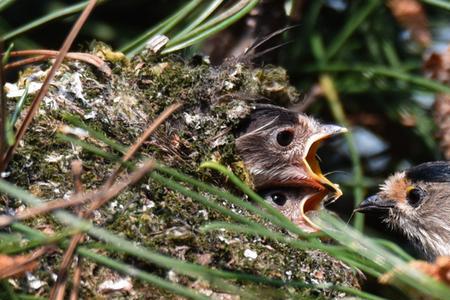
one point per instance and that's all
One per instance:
(278, 148)
(417, 203)
(299, 204)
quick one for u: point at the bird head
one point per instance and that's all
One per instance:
(279, 148)
(416, 202)
(297, 203)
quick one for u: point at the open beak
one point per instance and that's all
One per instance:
(312, 164)
(329, 191)
(375, 204)
(309, 205)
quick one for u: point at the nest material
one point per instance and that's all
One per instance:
(214, 99)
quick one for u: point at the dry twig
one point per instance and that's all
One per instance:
(43, 91)
(58, 290)
(17, 265)
(2, 109)
(104, 192)
(46, 54)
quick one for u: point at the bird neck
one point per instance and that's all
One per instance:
(432, 238)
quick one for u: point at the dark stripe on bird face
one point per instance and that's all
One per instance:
(265, 114)
(436, 171)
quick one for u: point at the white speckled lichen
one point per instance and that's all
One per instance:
(214, 99)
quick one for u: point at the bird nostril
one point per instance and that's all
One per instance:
(279, 198)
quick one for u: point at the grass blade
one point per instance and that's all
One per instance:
(210, 31)
(198, 20)
(61, 13)
(138, 43)
(417, 80)
(327, 84)
(4, 4)
(438, 3)
(353, 23)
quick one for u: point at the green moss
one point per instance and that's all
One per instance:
(215, 100)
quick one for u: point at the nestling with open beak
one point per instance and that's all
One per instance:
(417, 202)
(279, 148)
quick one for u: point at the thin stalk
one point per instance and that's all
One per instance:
(327, 84)
(404, 275)
(420, 81)
(88, 147)
(144, 276)
(61, 13)
(395, 249)
(391, 54)
(252, 194)
(198, 20)
(86, 253)
(45, 85)
(138, 43)
(125, 246)
(359, 293)
(278, 237)
(38, 242)
(5, 4)
(3, 111)
(199, 198)
(7, 54)
(204, 34)
(353, 23)
(119, 266)
(438, 3)
(19, 105)
(278, 220)
(99, 135)
(214, 21)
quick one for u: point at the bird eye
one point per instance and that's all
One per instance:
(415, 196)
(285, 137)
(278, 198)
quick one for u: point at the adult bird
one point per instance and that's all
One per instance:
(416, 202)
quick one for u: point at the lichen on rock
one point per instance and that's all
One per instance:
(215, 100)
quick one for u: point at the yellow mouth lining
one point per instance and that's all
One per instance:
(313, 167)
(308, 204)
(314, 202)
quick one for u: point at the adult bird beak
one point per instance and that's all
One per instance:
(375, 204)
(311, 163)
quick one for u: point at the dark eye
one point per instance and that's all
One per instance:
(278, 198)
(285, 137)
(415, 196)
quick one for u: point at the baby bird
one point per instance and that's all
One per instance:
(417, 202)
(278, 147)
(298, 204)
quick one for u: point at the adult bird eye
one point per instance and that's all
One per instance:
(415, 196)
(278, 198)
(285, 137)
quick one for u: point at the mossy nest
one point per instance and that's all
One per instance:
(215, 99)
